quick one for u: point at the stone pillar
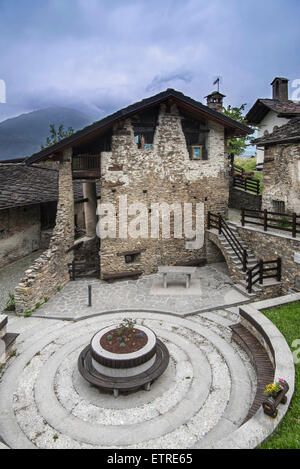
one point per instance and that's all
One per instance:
(63, 233)
(90, 208)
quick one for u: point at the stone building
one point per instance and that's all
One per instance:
(168, 149)
(281, 174)
(28, 201)
(268, 114)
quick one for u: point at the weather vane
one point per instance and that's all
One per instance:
(218, 80)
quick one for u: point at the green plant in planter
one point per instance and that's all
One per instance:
(273, 389)
(122, 345)
(10, 305)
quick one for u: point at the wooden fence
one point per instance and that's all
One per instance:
(262, 271)
(273, 220)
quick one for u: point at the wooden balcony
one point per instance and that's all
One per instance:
(86, 166)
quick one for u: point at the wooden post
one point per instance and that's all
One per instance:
(220, 224)
(265, 220)
(294, 228)
(261, 272)
(279, 269)
(250, 281)
(244, 260)
(243, 217)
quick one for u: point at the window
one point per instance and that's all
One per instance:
(279, 206)
(196, 136)
(131, 258)
(198, 152)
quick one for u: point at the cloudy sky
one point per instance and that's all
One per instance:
(101, 55)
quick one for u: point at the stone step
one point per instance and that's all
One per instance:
(250, 256)
(256, 288)
(227, 244)
(237, 261)
(242, 289)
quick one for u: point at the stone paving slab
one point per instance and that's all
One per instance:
(72, 302)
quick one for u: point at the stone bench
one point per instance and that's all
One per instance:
(7, 341)
(187, 271)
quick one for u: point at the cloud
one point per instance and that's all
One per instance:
(168, 79)
(105, 55)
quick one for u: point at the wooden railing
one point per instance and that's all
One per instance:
(262, 271)
(237, 169)
(247, 183)
(243, 180)
(273, 220)
(86, 163)
(217, 222)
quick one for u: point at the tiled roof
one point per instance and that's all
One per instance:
(282, 107)
(236, 127)
(263, 106)
(289, 132)
(25, 185)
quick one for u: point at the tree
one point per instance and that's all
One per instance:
(57, 135)
(236, 145)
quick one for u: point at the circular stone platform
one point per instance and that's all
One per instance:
(204, 394)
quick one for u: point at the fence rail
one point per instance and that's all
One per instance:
(262, 271)
(217, 222)
(243, 180)
(273, 220)
(247, 184)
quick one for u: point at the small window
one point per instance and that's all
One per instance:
(131, 258)
(198, 152)
(279, 206)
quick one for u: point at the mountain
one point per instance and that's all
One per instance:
(23, 135)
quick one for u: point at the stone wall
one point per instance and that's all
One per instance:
(50, 270)
(241, 199)
(281, 177)
(20, 231)
(269, 246)
(163, 173)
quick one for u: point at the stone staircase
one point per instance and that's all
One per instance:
(7, 341)
(237, 265)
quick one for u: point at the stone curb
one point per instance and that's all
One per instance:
(141, 310)
(256, 430)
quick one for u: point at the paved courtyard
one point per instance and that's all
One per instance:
(211, 288)
(203, 396)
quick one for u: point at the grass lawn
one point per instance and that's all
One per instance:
(287, 435)
(249, 166)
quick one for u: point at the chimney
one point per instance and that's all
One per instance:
(280, 89)
(215, 101)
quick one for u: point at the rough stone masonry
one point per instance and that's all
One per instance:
(162, 173)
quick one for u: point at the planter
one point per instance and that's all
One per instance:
(111, 371)
(123, 364)
(271, 403)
